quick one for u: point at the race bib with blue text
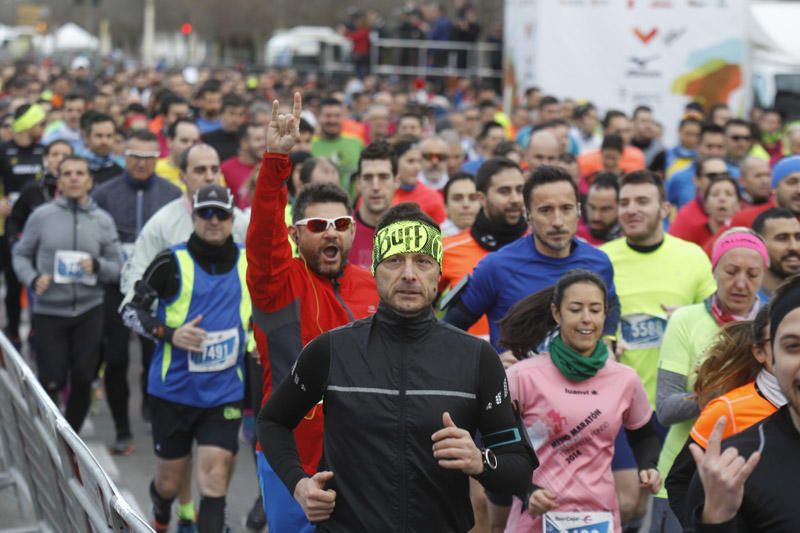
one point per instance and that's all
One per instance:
(67, 268)
(220, 352)
(642, 331)
(578, 522)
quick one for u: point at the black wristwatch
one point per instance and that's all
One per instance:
(489, 459)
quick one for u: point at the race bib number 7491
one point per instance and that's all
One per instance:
(220, 352)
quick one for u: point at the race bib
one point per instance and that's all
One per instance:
(642, 331)
(578, 522)
(67, 268)
(127, 251)
(220, 352)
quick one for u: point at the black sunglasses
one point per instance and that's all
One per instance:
(207, 213)
(715, 175)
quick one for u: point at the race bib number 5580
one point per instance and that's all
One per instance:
(220, 352)
(642, 331)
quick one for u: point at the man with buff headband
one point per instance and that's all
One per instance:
(749, 481)
(404, 395)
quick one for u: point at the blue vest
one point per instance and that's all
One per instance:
(215, 376)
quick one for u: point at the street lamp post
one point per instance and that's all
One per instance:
(148, 32)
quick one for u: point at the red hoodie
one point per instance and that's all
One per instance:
(291, 304)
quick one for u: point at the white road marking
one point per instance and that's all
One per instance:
(100, 452)
(107, 463)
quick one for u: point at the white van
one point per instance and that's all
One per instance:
(308, 47)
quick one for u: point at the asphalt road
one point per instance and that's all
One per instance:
(133, 473)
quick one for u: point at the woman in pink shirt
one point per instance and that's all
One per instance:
(574, 400)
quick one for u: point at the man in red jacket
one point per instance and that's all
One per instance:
(296, 299)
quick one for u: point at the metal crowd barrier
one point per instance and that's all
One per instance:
(59, 484)
(415, 57)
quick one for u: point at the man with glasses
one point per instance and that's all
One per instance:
(131, 199)
(376, 182)
(434, 163)
(738, 141)
(195, 382)
(297, 298)
(171, 225)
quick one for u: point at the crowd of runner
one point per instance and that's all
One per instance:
(627, 300)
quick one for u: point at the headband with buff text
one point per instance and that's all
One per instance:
(406, 237)
(34, 115)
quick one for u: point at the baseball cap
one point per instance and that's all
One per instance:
(80, 62)
(213, 196)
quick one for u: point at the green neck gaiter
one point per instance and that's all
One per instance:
(772, 138)
(574, 366)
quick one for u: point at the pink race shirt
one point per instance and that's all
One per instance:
(573, 426)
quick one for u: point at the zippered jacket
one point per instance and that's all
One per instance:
(291, 304)
(64, 225)
(170, 225)
(131, 203)
(387, 380)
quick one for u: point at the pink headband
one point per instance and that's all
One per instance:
(738, 239)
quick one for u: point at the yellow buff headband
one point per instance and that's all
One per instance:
(29, 119)
(406, 237)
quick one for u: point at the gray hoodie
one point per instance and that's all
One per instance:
(65, 225)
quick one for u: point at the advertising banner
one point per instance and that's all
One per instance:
(623, 53)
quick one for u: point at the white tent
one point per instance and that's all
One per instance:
(70, 36)
(303, 41)
(773, 32)
(775, 48)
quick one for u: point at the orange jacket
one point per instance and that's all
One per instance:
(292, 304)
(742, 407)
(461, 254)
(632, 159)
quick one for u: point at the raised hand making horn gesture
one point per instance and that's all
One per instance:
(723, 476)
(284, 128)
